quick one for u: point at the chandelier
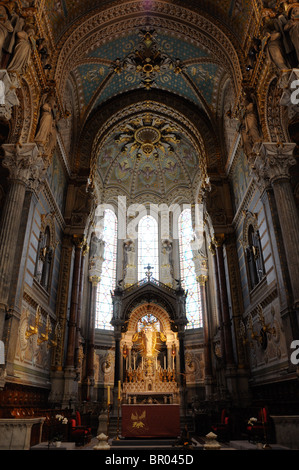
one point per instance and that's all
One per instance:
(147, 136)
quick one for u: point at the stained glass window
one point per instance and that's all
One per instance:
(104, 308)
(188, 275)
(148, 247)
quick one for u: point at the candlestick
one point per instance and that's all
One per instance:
(119, 390)
(108, 395)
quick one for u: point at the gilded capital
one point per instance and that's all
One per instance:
(79, 241)
(212, 249)
(95, 280)
(272, 161)
(24, 163)
(202, 279)
(218, 239)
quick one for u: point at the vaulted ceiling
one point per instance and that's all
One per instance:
(105, 51)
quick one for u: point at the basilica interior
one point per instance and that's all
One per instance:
(149, 234)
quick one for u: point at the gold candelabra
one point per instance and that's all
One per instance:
(33, 330)
(260, 337)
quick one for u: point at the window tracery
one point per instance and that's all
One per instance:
(104, 307)
(148, 247)
(187, 269)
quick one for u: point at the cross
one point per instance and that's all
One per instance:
(148, 273)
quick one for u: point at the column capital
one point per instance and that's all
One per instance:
(272, 161)
(79, 240)
(95, 279)
(202, 279)
(218, 239)
(24, 164)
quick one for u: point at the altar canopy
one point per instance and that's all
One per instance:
(146, 421)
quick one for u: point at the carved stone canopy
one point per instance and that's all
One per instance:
(149, 291)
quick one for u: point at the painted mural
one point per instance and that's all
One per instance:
(240, 178)
(159, 175)
(205, 76)
(57, 181)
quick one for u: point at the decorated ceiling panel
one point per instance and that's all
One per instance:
(148, 59)
(147, 153)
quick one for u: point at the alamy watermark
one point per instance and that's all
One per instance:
(295, 93)
(295, 354)
(128, 218)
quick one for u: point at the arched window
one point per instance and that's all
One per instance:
(188, 275)
(148, 246)
(104, 308)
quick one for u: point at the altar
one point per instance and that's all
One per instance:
(150, 421)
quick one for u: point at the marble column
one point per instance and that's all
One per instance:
(270, 168)
(89, 378)
(202, 279)
(272, 164)
(70, 374)
(218, 302)
(26, 170)
(94, 280)
(79, 310)
(72, 323)
(227, 332)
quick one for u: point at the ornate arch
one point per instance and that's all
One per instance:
(190, 119)
(97, 26)
(142, 310)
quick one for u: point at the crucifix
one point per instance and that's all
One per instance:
(148, 272)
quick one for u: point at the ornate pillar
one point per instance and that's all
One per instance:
(227, 332)
(72, 323)
(202, 279)
(89, 379)
(272, 163)
(181, 322)
(218, 302)
(27, 170)
(117, 322)
(70, 378)
(78, 321)
(271, 167)
(96, 259)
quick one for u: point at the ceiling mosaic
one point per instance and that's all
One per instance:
(150, 60)
(147, 154)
